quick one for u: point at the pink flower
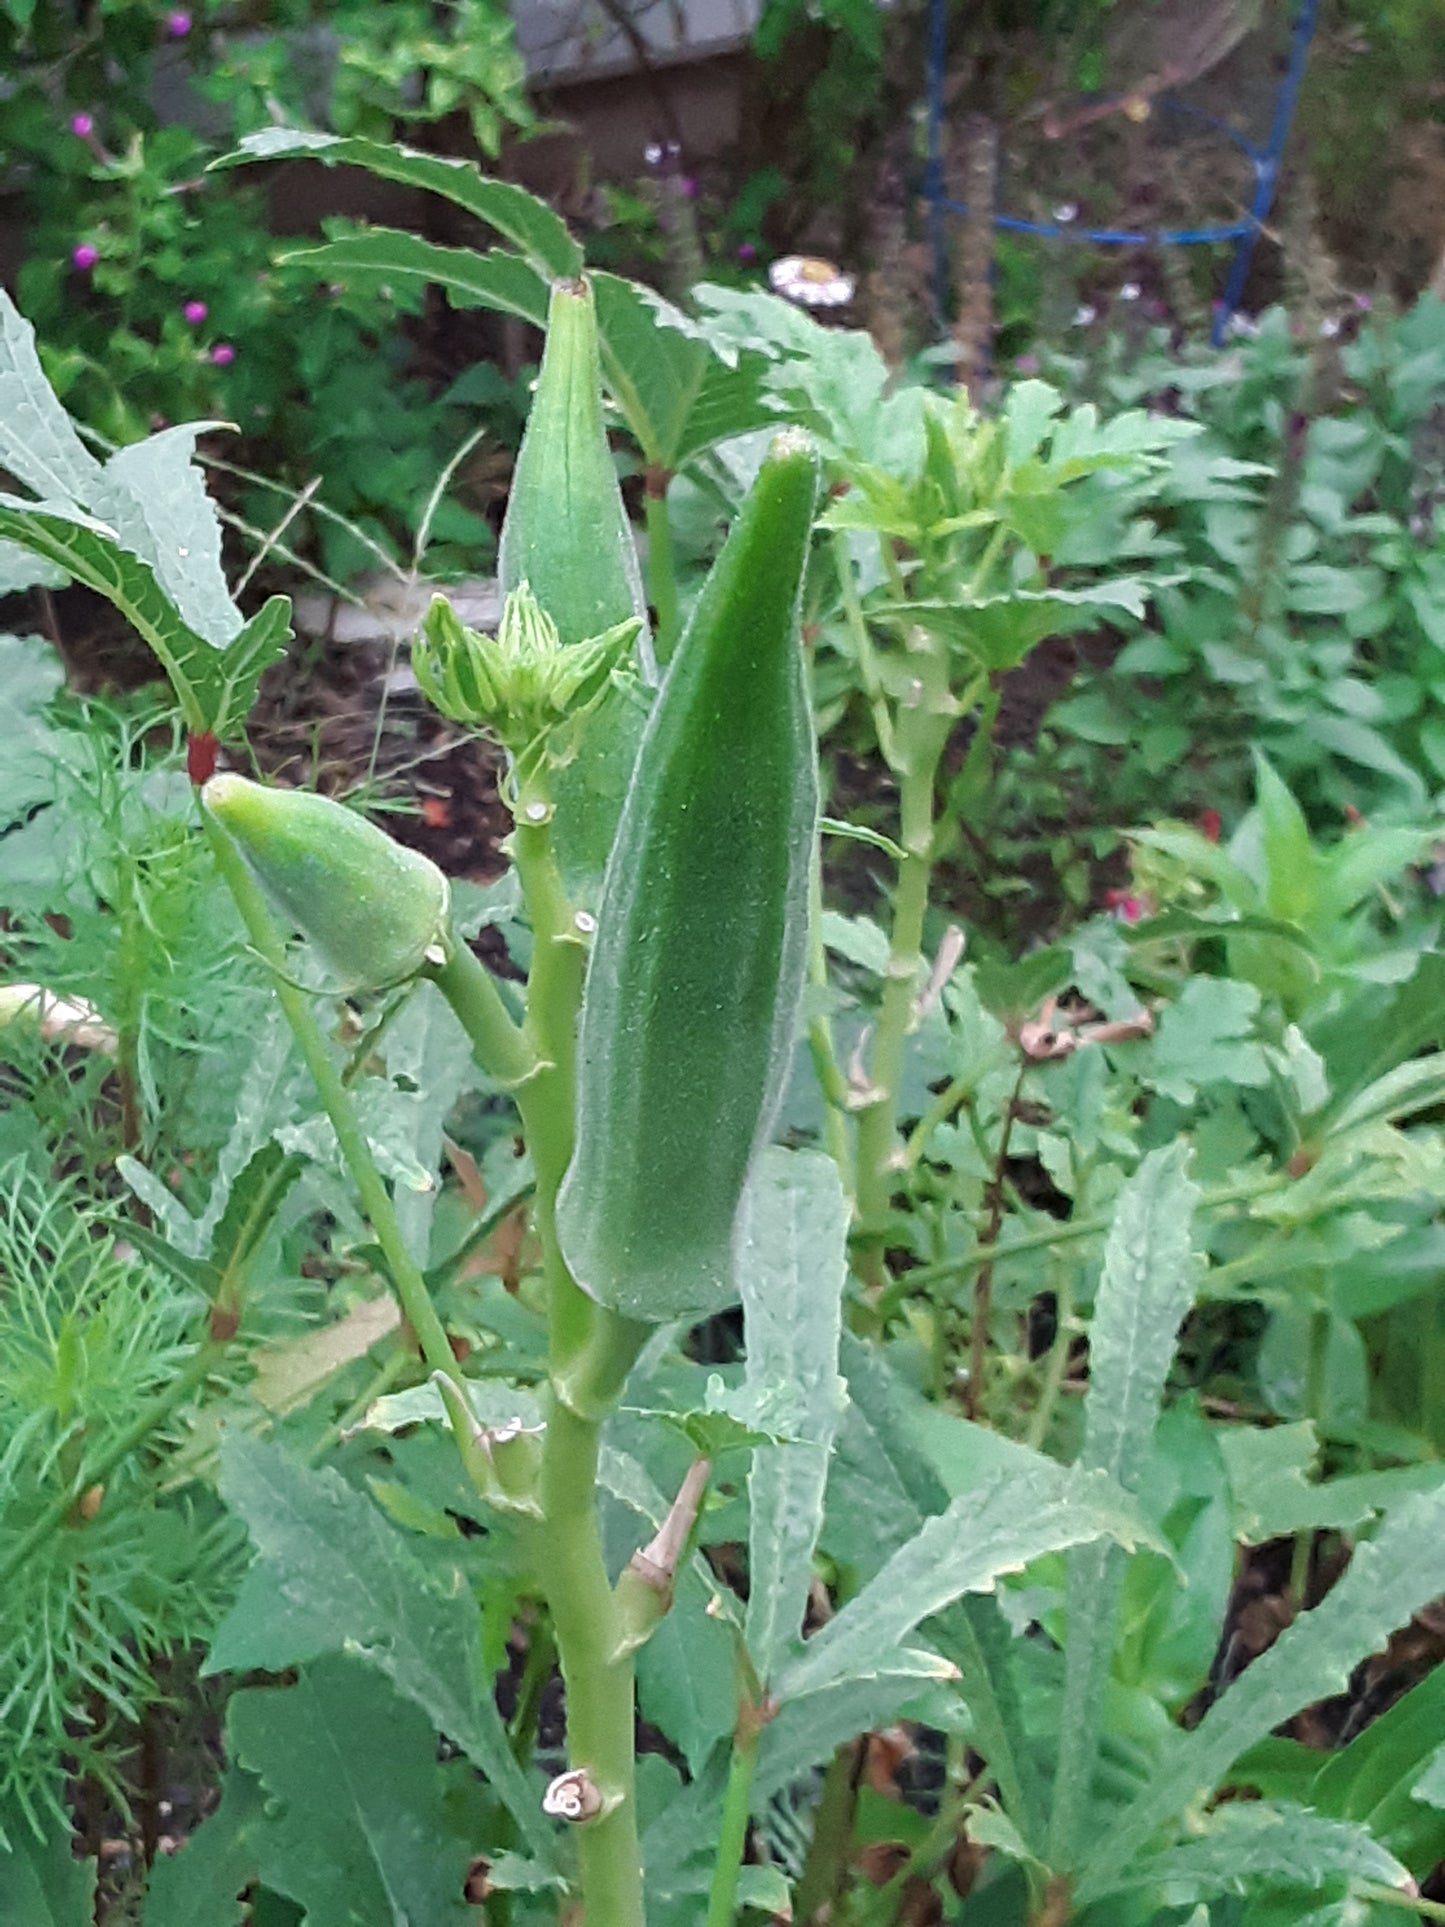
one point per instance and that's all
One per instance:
(82, 126)
(195, 312)
(688, 186)
(1127, 908)
(85, 257)
(1027, 365)
(223, 354)
(178, 24)
(747, 252)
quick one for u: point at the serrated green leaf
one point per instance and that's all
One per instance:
(41, 1883)
(495, 279)
(687, 1675)
(1387, 1581)
(999, 631)
(1249, 1845)
(38, 442)
(152, 495)
(792, 1269)
(355, 1830)
(1010, 1520)
(204, 1881)
(523, 219)
(213, 687)
(331, 1573)
(1145, 1290)
(677, 393)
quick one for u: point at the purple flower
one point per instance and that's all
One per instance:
(85, 257)
(688, 186)
(178, 24)
(1027, 365)
(747, 252)
(223, 354)
(82, 126)
(195, 312)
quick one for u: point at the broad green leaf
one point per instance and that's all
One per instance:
(529, 224)
(1378, 1031)
(1206, 1037)
(38, 442)
(792, 1268)
(153, 496)
(1391, 1777)
(678, 394)
(1430, 1787)
(214, 687)
(1388, 1580)
(1270, 1476)
(355, 1829)
(1291, 863)
(687, 1675)
(1145, 1290)
(1010, 1520)
(1415, 1086)
(999, 631)
(491, 280)
(204, 1881)
(332, 1574)
(1248, 1846)
(41, 1883)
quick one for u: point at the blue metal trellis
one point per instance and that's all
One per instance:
(1265, 162)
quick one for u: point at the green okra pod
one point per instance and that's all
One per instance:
(566, 531)
(697, 967)
(375, 911)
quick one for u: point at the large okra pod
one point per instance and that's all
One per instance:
(697, 967)
(374, 910)
(566, 531)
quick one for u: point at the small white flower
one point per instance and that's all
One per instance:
(652, 153)
(1085, 313)
(1065, 212)
(1329, 327)
(811, 281)
(1129, 291)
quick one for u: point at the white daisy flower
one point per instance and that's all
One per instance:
(1129, 291)
(1084, 314)
(811, 281)
(1065, 212)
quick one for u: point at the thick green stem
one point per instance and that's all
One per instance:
(661, 566)
(592, 1351)
(921, 733)
(499, 1045)
(737, 1808)
(598, 1681)
(326, 1074)
(831, 1080)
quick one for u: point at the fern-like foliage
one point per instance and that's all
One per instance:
(90, 1340)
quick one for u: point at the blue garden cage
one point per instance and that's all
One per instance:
(1244, 234)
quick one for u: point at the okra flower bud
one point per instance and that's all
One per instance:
(521, 684)
(375, 911)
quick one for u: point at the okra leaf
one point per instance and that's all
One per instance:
(218, 1861)
(41, 1883)
(214, 687)
(38, 442)
(678, 394)
(525, 221)
(1145, 1289)
(1251, 1845)
(357, 1828)
(1387, 1581)
(1010, 1519)
(495, 279)
(792, 1269)
(999, 631)
(152, 495)
(332, 1574)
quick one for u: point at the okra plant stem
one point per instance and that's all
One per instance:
(592, 1351)
(737, 1808)
(661, 565)
(920, 734)
(326, 1075)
